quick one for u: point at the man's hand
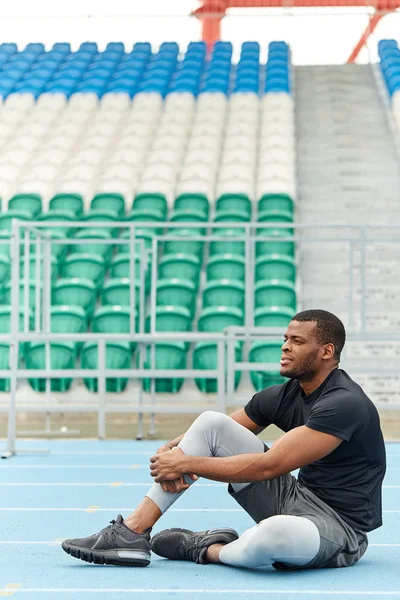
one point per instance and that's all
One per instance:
(168, 467)
(178, 485)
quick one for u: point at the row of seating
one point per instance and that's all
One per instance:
(34, 71)
(389, 54)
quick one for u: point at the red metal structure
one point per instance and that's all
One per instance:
(211, 13)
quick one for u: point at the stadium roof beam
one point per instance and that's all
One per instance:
(211, 13)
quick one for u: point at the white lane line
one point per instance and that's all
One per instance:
(243, 591)
(14, 509)
(10, 466)
(122, 484)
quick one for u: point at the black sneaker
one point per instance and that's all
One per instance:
(116, 544)
(183, 544)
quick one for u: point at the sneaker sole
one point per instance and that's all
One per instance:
(123, 558)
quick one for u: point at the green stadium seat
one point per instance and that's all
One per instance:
(275, 267)
(276, 216)
(116, 292)
(98, 215)
(121, 267)
(228, 245)
(5, 266)
(170, 318)
(168, 355)
(32, 267)
(7, 218)
(187, 215)
(274, 316)
(235, 203)
(71, 202)
(266, 352)
(114, 319)
(232, 216)
(232, 266)
(62, 356)
(148, 215)
(176, 292)
(205, 356)
(280, 202)
(59, 215)
(57, 250)
(64, 319)
(109, 201)
(32, 203)
(193, 201)
(86, 265)
(218, 318)
(224, 292)
(75, 291)
(183, 266)
(274, 245)
(94, 246)
(118, 356)
(31, 295)
(146, 201)
(274, 292)
(5, 327)
(185, 243)
(5, 249)
(140, 234)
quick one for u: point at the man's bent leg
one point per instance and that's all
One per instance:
(293, 541)
(211, 434)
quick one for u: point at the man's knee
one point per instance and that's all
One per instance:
(210, 420)
(278, 534)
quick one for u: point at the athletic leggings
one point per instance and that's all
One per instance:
(282, 538)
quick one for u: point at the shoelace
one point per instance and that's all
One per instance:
(193, 551)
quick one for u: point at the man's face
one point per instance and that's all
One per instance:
(301, 352)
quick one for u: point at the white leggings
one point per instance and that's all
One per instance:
(282, 538)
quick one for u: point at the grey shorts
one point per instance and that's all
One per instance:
(341, 545)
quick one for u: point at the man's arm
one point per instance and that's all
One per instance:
(296, 448)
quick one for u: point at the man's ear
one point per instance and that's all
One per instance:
(328, 352)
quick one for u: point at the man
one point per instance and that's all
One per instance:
(320, 519)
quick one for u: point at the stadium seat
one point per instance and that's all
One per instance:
(228, 245)
(96, 215)
(193, 201)
(235, 202)
(276, 244)
(278, 202)
(58, 216)
(118, 356)
(121, 267)
(117, 292)
(71, 202)
(185, 243)
(32, 203)
(63, 319)
(275, 267)
(7, 218)
(183, 266)
(205, 356)
(151, 202)
(274, 316)
(86, 265)
(75, 292)
(218, 318)
(108, 201)
(170, 318)
(32, 285)
(32, 267)
(93, 247)
(5, 327)
(266, 352)
(168, 355)
(230, 266)
(176, 292)
(274, 292)
(224, 292)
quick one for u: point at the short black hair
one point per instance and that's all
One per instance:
(329, 328)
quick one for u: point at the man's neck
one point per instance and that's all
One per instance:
(310, 386)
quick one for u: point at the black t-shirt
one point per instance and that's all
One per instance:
(350, 478)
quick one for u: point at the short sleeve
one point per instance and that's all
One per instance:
(262, 407)
(338, 413)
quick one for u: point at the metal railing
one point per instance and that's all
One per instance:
(35, 234)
